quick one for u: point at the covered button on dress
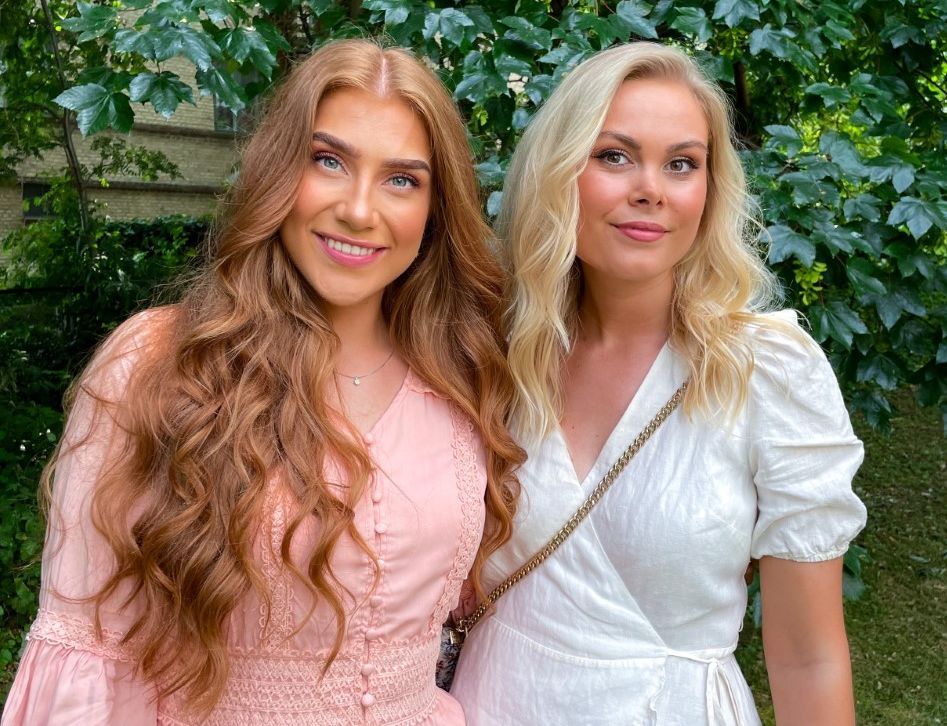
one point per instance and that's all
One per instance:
(423, 517)
(634, 620)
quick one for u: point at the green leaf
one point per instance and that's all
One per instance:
(539, 87)
(807, 189)
(734, 12)
(164, 91)
(864, 206)
(881, 370)
(903, 178)
(97, 108)
(479, 86)
(852, 588)
(450, 23)
(635, 16)
(889, 166)
(693, 22)
(520, 119)
(220, 11)
(490, 173)
(837, 32)
(271, 36)
(775, 41)
(918, 214)
(864, 277)
(843, 154)
(836, 321)
(524, 32)
(131, 41)
(911, 259)
(493, 203)
(785, 243)
(892, 306)
(199, 48)
(875, 407)
(93, 22)
(831, 96)
(507, 64)
(914, 338)
(899, 34)
(243, 44)
(942, 351)
(837, 239)
(223, 86)
(483, 22)
(784, 137)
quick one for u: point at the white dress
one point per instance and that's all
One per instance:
(635, 618)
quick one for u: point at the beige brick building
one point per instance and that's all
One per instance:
(202, 146)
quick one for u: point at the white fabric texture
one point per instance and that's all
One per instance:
(634, 620)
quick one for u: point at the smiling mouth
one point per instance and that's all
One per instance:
(347, 248)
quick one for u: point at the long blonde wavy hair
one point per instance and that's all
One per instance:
(233, 388)
(720, 286)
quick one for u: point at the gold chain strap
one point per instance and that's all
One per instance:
(465, 624)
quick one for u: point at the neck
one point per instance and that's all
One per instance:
(616, 314)
(363, 337)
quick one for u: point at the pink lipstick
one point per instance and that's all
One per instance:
(349, 252)
(642, 231)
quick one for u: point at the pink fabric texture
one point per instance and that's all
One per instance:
(423, 516)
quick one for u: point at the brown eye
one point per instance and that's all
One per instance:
(682, 165)
(613, 157)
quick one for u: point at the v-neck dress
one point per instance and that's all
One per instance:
(634, 620)
(422, 515)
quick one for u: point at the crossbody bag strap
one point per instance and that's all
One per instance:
(465, 624)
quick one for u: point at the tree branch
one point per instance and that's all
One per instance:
(71, 156)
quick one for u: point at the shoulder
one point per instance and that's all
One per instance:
(139, 340)
(792, 384)
(783, 351)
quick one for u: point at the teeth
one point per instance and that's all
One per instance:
(346, 249)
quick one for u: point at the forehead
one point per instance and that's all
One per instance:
(657, 108)
(378, 125)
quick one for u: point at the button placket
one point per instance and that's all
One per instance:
(374, 632)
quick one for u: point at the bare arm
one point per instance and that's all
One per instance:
(804, 642)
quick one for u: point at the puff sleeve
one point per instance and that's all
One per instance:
(68, 674)
(803, 451)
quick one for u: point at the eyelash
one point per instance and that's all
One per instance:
(323, 155)
(602, 155)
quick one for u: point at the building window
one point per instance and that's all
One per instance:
(35, 205)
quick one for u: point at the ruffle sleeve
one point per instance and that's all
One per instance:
(70, 673)
(803, 451)
(65, 684)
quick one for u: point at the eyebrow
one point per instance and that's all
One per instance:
(633, 144)
(346, 148)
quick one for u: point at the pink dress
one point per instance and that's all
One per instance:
(423, 517)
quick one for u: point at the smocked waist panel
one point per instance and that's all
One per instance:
(385, 683)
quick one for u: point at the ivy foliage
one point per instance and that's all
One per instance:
(840, 107)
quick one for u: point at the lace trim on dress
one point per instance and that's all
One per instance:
(276, 629)
(276, 690)
(470, 495)
(78, 634)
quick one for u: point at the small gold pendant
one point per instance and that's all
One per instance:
(356, 381)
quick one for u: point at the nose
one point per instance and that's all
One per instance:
(645, 187)
(357, 207)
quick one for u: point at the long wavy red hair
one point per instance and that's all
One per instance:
(234, 388)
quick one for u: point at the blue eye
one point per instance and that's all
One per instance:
(327, 161)
(403, 181)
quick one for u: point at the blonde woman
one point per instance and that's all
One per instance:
(625, 221)
(267, 496)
